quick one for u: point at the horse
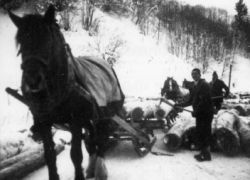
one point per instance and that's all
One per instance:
(188, 85)
(58, 88)
(171, 90)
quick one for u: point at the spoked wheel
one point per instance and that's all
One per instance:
(142, 148)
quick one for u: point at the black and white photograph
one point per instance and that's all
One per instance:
(124, 89)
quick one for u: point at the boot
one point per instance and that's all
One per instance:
(204, 155)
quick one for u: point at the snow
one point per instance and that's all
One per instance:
(142, 67)
(124, 164)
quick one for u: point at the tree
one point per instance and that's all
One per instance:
(11, 4)
(242, 23)
(241, 13)
(87, 13)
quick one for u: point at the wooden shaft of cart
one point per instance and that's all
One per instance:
(115, 118)
(172, 105)
(15, 94)
(130, 129)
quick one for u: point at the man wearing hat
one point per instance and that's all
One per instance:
(217, 87)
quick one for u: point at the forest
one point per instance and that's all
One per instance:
(195, 33)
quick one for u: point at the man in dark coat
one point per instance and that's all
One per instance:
(217, 87)
(201, 101)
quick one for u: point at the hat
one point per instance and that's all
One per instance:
(215, 73)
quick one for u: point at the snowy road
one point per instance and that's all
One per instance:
(124, 164)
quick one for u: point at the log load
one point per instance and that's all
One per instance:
(225, 133)
(161, 111)
(175, 136)
(150, 113)
(20, 165)
(244, 133)
(189, 137)
(141, 108)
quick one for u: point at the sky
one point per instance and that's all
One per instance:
(228, 5)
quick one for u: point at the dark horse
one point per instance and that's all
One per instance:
(59, 89)
(188, 85)
(171, 90)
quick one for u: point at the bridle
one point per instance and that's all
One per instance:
(30, 58)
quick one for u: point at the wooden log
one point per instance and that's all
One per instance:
(162, 111)
(137, 114)
(19, 157)
(19, 166)
(224, 131)
(189, 137)
(174, 137)
(244, 133)
(140, 108)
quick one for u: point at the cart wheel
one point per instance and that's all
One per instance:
(141, 148)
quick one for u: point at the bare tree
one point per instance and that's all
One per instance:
(87, 13)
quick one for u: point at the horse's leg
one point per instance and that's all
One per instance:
(90, 143)
(103, 129)
(76, 150)
(49, 151)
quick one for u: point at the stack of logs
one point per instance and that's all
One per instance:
(20, 165)
(230, 129)
(231, 133)
(148, 108)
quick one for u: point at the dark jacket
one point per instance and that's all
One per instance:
(200, 99)
(217, 89)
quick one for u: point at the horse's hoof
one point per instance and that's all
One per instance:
(101, 172)
(90, 174)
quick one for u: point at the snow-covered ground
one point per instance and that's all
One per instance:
(142, 67)
(124, 164)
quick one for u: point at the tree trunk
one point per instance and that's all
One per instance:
(87, 14)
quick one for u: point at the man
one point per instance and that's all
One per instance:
(201, 101)
(217, 87)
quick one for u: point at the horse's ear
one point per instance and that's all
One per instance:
(49, 15)
(15, 19)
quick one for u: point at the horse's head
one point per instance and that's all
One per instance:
(43, 57)
(171, 88)
(188, 84)
(171, 84)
